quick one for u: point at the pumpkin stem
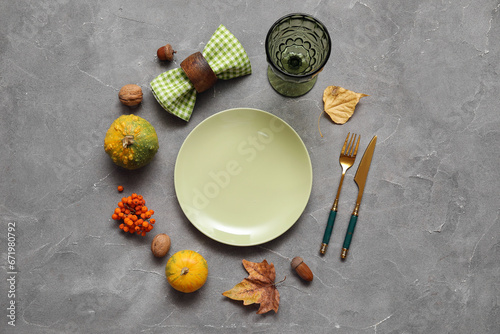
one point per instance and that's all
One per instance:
(127, 141)
(184, 271)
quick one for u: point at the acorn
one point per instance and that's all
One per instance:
(302, 269)
(166, 53)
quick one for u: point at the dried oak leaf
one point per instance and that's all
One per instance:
(340, 103)
(258, 287)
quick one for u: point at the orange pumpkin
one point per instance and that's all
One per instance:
(186, 271)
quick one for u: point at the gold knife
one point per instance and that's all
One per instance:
(360, 179)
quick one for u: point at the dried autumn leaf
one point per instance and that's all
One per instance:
(340, 103)
(258, 287)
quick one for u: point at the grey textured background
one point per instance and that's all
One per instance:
(426, 253)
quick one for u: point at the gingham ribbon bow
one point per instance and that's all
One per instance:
(227, 59)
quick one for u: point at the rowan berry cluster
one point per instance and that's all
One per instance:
(134, 215)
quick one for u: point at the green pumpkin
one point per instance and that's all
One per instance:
(131, 142)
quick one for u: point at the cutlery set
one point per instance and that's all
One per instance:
(346, 160)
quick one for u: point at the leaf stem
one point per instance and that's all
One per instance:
(280, 281)
(319, 117)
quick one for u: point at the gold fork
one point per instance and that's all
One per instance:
(346, 160)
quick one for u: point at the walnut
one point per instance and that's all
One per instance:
(160, 245)
(130, 95)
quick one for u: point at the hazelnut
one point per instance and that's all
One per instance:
(302, 269)
(160, 245)
(166, 53)
(130, 95)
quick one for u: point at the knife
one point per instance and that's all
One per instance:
(360, 179)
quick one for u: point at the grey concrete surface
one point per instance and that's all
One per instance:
(426, 252)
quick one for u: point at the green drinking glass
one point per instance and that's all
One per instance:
(297, 48)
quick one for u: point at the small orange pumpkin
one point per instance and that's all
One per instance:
(186, 271)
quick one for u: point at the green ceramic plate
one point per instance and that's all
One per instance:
(243, 177)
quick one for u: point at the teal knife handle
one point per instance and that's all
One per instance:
(348, 236)
(329, 227)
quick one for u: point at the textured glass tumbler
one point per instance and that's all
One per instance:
(297, 48)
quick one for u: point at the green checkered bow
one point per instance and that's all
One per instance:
(227, 59)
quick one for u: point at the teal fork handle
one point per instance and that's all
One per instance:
(348, 236)
(328, 231)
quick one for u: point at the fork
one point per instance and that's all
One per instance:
(346, 160)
